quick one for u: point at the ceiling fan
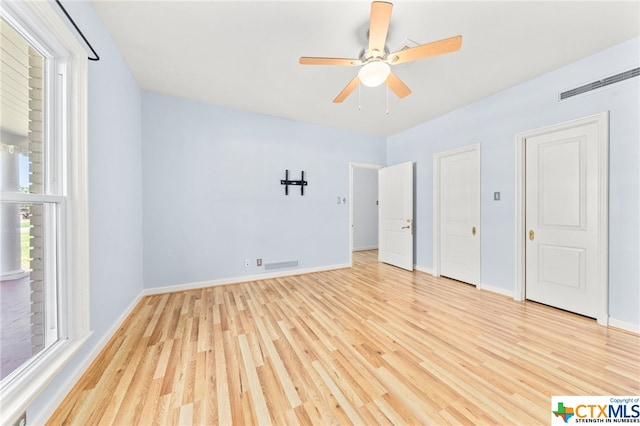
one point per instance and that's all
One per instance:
(375, 61)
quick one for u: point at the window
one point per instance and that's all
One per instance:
(28, 318)
(43, 203)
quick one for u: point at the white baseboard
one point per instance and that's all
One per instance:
(235, 280)
(365, 248)
(51, 406)
(423, 269)
(627, 326)
(485, 287)
(499, 290)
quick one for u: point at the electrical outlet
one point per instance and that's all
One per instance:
(247, 262)
(258, 262)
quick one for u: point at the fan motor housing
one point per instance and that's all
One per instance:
(375, 54)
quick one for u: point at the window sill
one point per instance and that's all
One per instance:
(21, 389)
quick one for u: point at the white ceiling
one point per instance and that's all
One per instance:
(244, 54)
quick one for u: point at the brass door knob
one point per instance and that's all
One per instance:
(473, 231)
(531, 234)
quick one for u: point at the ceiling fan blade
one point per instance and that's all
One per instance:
(305, 60)
(347, 90)
(439, 47)
(397, 86)
(379, 25)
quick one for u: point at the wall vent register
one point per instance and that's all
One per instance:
(617, 78)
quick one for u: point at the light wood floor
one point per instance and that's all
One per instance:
(368, 345)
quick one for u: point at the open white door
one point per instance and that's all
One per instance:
(395, 233)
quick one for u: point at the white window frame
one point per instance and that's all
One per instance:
(66, 112)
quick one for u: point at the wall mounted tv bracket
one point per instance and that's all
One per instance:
(286, 182)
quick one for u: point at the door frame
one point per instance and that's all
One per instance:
(351, 167)
(436, 207)
(602, 121)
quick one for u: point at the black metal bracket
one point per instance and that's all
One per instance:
(286, 182)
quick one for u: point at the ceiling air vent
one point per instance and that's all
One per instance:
(600, 83)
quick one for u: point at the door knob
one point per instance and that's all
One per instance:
(473, 231)
(408, 225)
(531, 234)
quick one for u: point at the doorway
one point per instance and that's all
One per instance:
(561, 216)
(363, 207)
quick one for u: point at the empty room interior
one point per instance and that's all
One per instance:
(311, 212)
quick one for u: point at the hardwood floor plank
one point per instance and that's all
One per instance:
(372, 344)
(388, 411)
(255, 388)
(186, 415)
(343, 402)
(283, 376)
(134, 397)
(150, 402)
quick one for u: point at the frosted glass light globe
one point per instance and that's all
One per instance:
(374, 73)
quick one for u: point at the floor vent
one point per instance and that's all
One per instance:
(281, 265)
(600, 83)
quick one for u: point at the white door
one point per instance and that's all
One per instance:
(561, 219)
(395, 233)
(459, 196)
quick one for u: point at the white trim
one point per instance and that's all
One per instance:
(351, 167)
(365, 248)
(494, 289)
(483, 286)
(77, 188)
(243, 279)
(43, 28)
(602, 121)
(423, 269)
(21, 197)
(18, 394)
(436, 206)
(627, 326)
(520, 270)
(54, 402)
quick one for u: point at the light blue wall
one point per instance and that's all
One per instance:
(493, 122)
(212, 193)
(115, 190)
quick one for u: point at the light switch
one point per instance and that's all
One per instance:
(496, 196)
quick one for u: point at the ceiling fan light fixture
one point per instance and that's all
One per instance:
(374, 73)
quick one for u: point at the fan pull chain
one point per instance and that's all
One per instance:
(387, 111)
(359, 98)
